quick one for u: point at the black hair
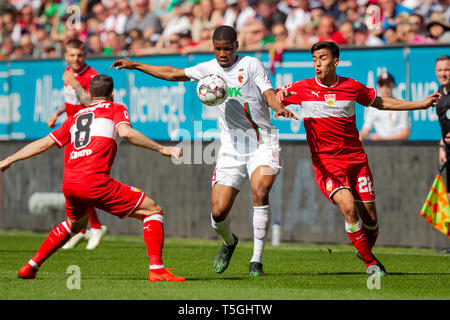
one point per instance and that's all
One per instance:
(225, 33)
(101, 86)
(329, 45)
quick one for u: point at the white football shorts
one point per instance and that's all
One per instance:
(233, 169)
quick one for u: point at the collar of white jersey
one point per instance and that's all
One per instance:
(239, 58)
(334, 84)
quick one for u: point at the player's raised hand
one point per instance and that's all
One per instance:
(432, 100)
(122, 64)
(284, 93)
(285, 113)
(69, 77)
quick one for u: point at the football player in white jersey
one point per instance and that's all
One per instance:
(249, 143)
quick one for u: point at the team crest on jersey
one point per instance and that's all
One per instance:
(330, 98)
(329, 185)
(241, 75)
(135, 189)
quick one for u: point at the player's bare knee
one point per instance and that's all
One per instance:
(219, 212)
(261, 195)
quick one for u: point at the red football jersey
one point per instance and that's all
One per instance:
(329, 114)
(73, 104)
(91, 140)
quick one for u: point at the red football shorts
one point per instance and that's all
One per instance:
(110, 195)
(335, 174)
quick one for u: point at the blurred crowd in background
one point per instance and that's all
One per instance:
(39, 28)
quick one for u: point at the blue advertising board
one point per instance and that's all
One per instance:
(30, 91)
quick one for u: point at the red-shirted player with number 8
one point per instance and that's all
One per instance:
(339, 161)
(90, 138)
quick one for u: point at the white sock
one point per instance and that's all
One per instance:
(223, 229)
(261, 225)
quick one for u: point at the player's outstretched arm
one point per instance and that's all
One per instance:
(161, 72)
(386, 103)
(30, 150)
(138, 139)
(276, 105)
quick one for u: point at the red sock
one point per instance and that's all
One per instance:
(360, 242)
(55, 240)
(372, 234)
(154, 239)
(93, 219)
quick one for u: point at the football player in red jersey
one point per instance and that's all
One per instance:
(89, 138)
(77, 77)
(339, 161)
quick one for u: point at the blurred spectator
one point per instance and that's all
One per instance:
(117, 14)
(94, 44)
(298, 15)
(143, 19)
(253, 35)
(11, 29)
(114, 45)
(7, 48)
(389, 10)
(326, 31)
(231, 14)
(218, 14)
(179, 21)
(388, 124)
(269, 13)
(316, 10)
(100, 15)
(248, 10)
(427, 7)
(348, 32)
(363, 37)
(282, 39)
(304, 36)
(438, 28)
(390, 36)
(26, 19)
(26, 46)
(168, 44)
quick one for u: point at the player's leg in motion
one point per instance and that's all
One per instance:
(150, 213)
(222, 199)
(355, 231)
(96, 231)
(261, 181)
(368, 213)
(55, 240)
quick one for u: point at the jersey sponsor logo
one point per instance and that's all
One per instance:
(330, 98)
(241, 76)
(315, 93)
(82, 153)
(234, 92)
(125, 113)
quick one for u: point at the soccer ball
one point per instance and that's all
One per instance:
(212, 90)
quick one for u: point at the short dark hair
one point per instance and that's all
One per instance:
(225, 33)
(329, 45)
(101, 86)
(75, 43)
(443, 58)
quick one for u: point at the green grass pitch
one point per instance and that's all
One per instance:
(117, 270)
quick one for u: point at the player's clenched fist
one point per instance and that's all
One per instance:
(123, 64)
(173, 152)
